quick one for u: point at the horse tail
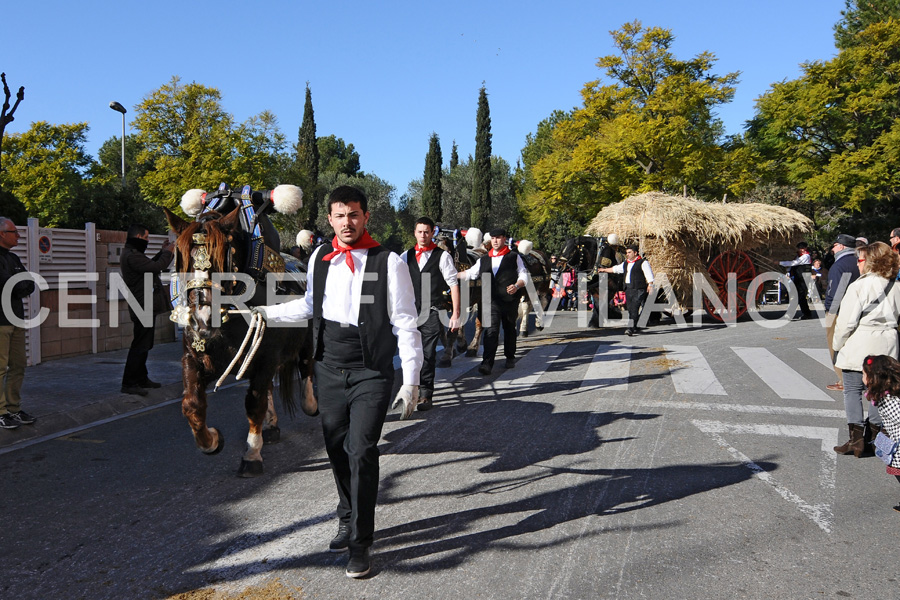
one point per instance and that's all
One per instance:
(287, 377)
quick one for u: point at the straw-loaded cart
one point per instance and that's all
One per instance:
(682, 236)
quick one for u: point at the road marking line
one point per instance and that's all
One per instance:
(609, 368)
(820, 355)
(531, 367)
(820, 514)
(784, 381)
(691, 373)
(747, 408)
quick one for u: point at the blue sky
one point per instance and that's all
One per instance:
(383, 75)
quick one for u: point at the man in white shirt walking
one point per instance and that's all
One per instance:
(360, 298)
(797, 269)
(638, 284)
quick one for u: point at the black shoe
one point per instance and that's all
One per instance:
(484, 369)
(629, 332)
(341, 541)
(424, 404)
(360, 563)
(897, 508)
(151, 384)
(133, 389)
(510, 363)
(6, 422)
(21, 418)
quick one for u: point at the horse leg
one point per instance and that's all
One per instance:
(449, 341)
(193, 407)
(309, 404)
(255, 404)
(472, 350)
(523, 315)
(271, 432)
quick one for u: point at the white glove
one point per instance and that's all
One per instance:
(409, 397)
(259, 310)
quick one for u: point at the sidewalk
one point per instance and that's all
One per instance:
(71, 392)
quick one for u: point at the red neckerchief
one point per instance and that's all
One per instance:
(803, 251)
(420, 251)
(495, 253)
(363, 243)
(636, 259)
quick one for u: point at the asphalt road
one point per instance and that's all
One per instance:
(681, 463)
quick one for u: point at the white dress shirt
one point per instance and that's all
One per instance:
(645, 267)
(803, 259)
(448, 269)
(475, 272)
(343, 290)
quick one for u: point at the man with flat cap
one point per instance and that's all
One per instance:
(842, 273)
(507, 277)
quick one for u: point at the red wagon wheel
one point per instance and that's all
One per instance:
(742, 266)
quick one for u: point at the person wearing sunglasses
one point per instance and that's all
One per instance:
(12, 337)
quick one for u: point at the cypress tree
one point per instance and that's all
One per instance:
(481, 186)
(307, 162)
(431, 185)
(454, 156)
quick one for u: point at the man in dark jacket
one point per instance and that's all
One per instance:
(842, 273)
(12, 337)
(138, 271)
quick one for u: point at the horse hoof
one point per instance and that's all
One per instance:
(471, 353)
(271, 435)
(219, 445)
(523, 333)
(250, 468)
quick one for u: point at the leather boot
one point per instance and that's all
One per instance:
(871, 432)
(856, 444)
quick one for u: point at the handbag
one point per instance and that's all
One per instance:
(885, 448)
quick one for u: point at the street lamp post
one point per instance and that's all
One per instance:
(119, 108)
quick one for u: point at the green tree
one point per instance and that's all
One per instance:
(45, 170)
(337, 156)
(651, 128)
(834, 133)
(481, 188)
(859, 15)
(454, 156)
(431, 193)
(7, 116)
(304, 170)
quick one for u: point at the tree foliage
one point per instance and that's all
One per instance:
(835, 132)
(337, 156)
(481, 187)
(858, 15)
(652, 128)
(383, 224)
(432, 192)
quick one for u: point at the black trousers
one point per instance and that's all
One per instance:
(353, 404)
(502, 313)
(802, 291)
(431, 331)
(135, 372)
(634, 301)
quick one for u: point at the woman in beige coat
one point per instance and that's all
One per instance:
(866, 324)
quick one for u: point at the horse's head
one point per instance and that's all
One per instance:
(209, 252)
(579, 253)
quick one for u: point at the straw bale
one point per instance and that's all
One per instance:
(692, 223)
(679, 264)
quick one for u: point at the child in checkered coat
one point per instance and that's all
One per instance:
(881, 375)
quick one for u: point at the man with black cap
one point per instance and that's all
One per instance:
(842, 273)
(508, 277)
(638, 283)
(797, 269)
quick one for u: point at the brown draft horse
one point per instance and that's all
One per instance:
(207, 249)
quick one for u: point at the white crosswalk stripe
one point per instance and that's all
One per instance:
(820, 355)
(609, 368)
(691, 373)
(530, 368)
(784, 381)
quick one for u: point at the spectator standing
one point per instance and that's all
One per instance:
(842, 272)
(137, 271)
(819, 277)
(12, 337)
(866, 324)
(895, 239)
(881, 375)
(797, 269)
(638, 284)
(361, 301)
(432, 273)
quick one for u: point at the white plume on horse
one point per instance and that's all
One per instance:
(473, 237)
(287, 199)
(192, 202)
(486, 239)
(613, 239)
(305, 239)
(526, 246)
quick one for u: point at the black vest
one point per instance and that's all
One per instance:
(638, 279)
(507, 275)
(379, 344)
(437, 285)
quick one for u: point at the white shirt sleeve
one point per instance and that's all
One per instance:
(403, 316)
(520, 267)
(299, 310)
(473, 272)
(803, 259)
(648, 272)
(619, 268)
(448, 269)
